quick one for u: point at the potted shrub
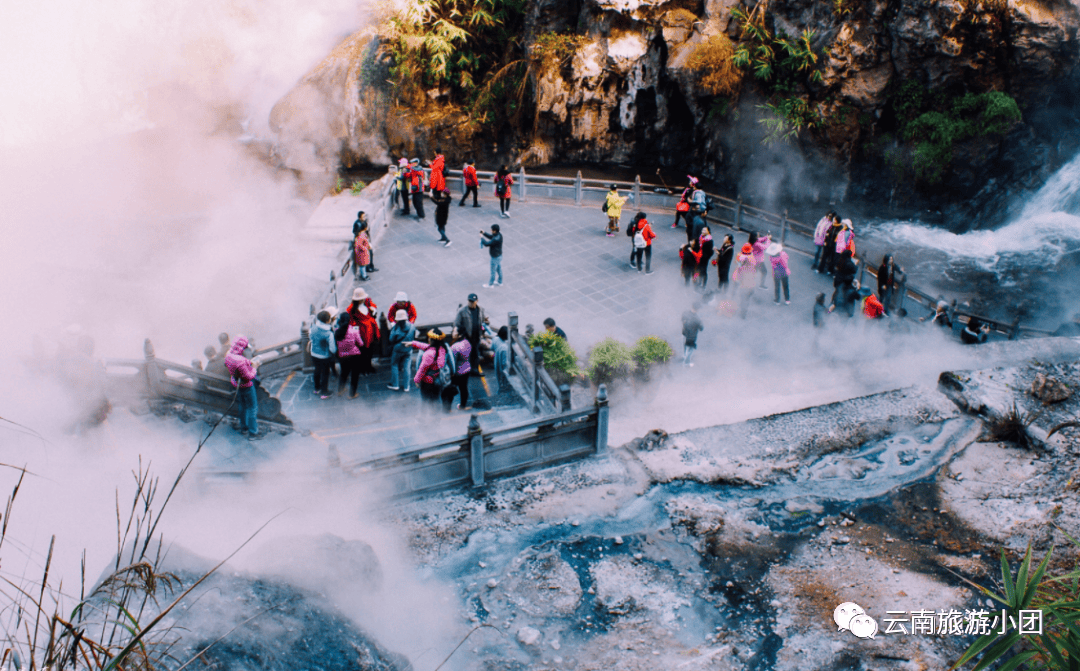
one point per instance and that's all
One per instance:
(610, 360)
(560, 361)
(650, 352)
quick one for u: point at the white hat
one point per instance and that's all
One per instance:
(359, 294)
(847, 222)
(774, 249)
(401, 316)
(401, 296)
(403, 162)
(332, 310)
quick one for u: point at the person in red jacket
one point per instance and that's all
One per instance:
(438, 180)
(415, 179)
(402, 302)
(643, 237)
(472, 183)
(503, 181)
(369, 335)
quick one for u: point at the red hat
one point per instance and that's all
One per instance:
(747, 248)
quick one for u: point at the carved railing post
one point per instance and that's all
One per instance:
(783, 228)
(564, 398)
(305, 352)
(601, 418)
(512, 322)
(524, 187)
(538, 365)
(153, 371)
(738, 214)
(578, 189)
(637, 191)
(1014, 330)
(476, 451)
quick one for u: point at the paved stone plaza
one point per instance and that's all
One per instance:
(557, 263)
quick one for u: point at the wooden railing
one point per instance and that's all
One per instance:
(733, 213)
(152, 378)
(481, 455)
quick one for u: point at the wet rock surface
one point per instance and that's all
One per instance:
(729, 547)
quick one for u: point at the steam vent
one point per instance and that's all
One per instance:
(540, 335)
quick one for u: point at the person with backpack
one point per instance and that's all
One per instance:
(503, 181)
(472, 183)
(323, 346)
(691, 326)
(438, 179)
(442, 213)
(682, 208)
(401, 334)
(778, 258)
(701, 200)
(401, 180)
(347, 335)
(432, 372)
(631, 230)
(494, 242)
(458, 386)
(844, 285)
(706, 245)
(643, 239)
(613, 208)
(416, 187)
(723, 263)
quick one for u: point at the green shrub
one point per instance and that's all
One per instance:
(357, 187)
(560, 361)
(610, 360)
(651, 349)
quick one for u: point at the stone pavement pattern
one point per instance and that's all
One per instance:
(557, 262)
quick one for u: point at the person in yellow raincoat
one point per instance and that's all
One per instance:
(613, 208)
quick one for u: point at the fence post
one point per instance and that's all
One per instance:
(538, 365)
(738, 214)
(1015, 330)
(512, 322)
(153, 373)
(601, 418)
(305, 338)
(577, 189)
(524, 189)
(637, 191)
(333, 288)
(783, 228)
(476, 451)
(564, 398)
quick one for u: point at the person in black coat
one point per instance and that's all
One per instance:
(844, 284)
(828, 257)
(724, 255)
(442, 213)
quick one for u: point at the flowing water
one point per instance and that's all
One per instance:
(691, 593)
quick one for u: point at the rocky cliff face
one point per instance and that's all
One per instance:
(629, 94)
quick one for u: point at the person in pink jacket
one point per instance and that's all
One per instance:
(242, 372)
(780, 272)
(349, 343)
(820, 231)
(759, 246)
(427, 370)
(744, 276)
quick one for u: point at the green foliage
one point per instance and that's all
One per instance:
(610, 360)
(843, 7)
(460, 46)
(357, 187)
(651, 349)
(714, 59)
(1058, 597)
(556, 47)
(786, 67)
(339, 186)
(560, 361)
(930, 123)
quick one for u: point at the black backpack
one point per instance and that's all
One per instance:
(448, 369)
